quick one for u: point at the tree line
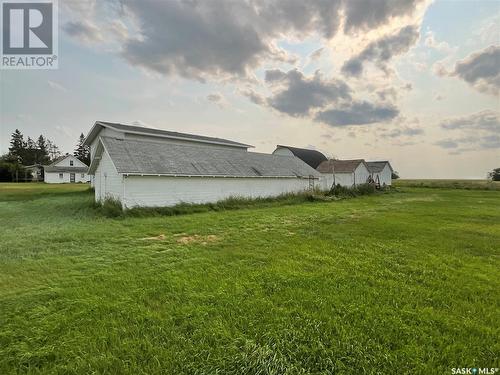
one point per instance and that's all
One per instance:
(40, 151)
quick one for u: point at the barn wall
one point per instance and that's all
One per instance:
(107, 181)
(361, 173)
(53, 177)
(167, 191)
(386, 176)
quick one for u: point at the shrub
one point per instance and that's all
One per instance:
(347, 192)
(111, 207)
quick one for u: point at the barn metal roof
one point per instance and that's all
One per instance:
(150, 158)
(94, 132)
(339, 166)
(377, 166)
(311, 157)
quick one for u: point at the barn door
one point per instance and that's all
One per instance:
(72, 177)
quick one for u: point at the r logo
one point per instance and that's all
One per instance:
(27, 28)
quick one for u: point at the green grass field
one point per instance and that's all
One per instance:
(450, 184)
(404, 283)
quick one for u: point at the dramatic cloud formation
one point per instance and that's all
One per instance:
(481, 70)
(358, 113)
(369, 14)
(222, 38)
(382, 50)
(298, 95)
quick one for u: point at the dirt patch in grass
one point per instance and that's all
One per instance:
(160, 237)
(195, 238)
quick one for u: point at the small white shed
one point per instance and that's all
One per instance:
(150, 167)
(66, 169)
(343, 172)
(381, 172)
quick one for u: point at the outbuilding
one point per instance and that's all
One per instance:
(66, 169)
(381, 172)
(346, 173)
(150, 167)
(311, 157)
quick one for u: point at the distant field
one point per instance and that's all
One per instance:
(399, 283)
(450, 184)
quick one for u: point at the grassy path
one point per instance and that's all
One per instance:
(399, 283)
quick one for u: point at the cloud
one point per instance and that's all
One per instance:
(382, 50)
(406, 131)
(477, 131)
(254, 97)
(358, 113)
(369, 14)
(488, 121)
(222, 39)
(316, 54)
(446, 143)
(57, 86)
(218, 99)
(481, 70)
(84, 31)
(297, 95)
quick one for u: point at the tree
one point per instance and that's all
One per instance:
(395, 175)
(53, 150)
(43, 153)
(82, 152)
(494, 175)
(17, 145)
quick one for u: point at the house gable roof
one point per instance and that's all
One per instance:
(378, 166)
(340, 166)
(139, 157)
(63, 157)
(311, 157)
(140, 130)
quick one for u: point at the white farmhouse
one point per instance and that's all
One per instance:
(343, 172)
(381, 172)
(150, 167)
(66, 169)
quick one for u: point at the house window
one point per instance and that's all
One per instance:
(61, 176)
(83, 175)
(71, 162)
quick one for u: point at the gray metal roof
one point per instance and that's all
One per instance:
(143, 157)
(377, 166)
(50, 168)
(339, 166)
(159, 133)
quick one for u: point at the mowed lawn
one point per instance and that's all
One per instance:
(406, 282)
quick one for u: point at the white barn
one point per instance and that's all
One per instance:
(66, 169)
(343, 172)
(311, 157)
(150, 167)
(381, 172)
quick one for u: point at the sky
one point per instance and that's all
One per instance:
(415, 82)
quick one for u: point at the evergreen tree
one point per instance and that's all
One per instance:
(17, 145)
(43, 153)
(82, 152)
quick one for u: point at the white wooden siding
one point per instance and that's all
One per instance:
(385, 176)
(107, 181)
(360, 176)
(153, 191)
(53, 177)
